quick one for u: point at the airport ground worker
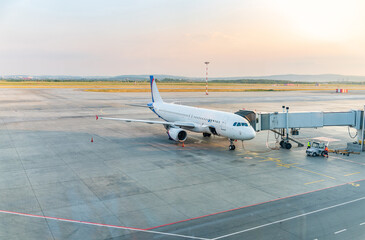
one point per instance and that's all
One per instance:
(309, 144)
(325, 151)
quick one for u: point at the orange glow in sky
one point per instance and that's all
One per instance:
(238, 37)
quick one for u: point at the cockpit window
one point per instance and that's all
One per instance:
(239, 124)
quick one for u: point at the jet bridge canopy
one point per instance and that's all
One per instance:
(250, 116)
(276, 120)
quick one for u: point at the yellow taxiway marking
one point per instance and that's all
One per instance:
(279, 163)
(313, 182)
(286, 165)
(320, 174)
(270, 159)
(247, 153)
(354, 184)
(351, 174)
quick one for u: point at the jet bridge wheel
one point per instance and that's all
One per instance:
(288, 145)
(207, 134)
(284, 144)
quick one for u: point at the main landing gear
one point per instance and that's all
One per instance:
(206, 134)
(231, 146)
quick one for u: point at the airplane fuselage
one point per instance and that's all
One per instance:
(215, 122)
(178, 118)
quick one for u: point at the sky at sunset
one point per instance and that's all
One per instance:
(238, 37)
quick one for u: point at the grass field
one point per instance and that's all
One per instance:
(175, 87)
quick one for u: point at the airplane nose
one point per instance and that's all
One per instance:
(251, 134)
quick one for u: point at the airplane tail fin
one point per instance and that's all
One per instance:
(154, 91)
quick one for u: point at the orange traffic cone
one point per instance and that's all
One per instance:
(183, 145)
(92, 140)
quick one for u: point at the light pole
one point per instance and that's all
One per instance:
(206, 77)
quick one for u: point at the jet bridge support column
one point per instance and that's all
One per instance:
(284, 132)
(358, 146)
(287, 123)
(363, 130)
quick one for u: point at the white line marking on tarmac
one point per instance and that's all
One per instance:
(290, 218)
(340, 231)
(101, 225)
(362, 223)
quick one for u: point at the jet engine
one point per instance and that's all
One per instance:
(177, 134)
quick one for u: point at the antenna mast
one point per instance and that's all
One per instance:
(206, 77)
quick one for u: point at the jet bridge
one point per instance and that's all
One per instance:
(281, 122)
(276, 120)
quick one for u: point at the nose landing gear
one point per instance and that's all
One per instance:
(206, 134)
(231, 146)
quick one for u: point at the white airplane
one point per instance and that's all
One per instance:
(178, 118)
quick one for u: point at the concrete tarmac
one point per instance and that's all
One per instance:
(325, 214)
(57, 184)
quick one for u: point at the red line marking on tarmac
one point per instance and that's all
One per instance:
(70, 220)
(234, 209)
(168, 224)
(102, 225)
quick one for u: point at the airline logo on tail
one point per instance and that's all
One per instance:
(152, 80)
(154, 91)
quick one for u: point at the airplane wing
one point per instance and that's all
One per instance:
(178, 124)
(138, 105)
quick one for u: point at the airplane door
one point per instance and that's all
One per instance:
(223, 125)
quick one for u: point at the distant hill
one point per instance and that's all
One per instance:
(147, 77)
(107, 78)
(305, 78)
(286, 77)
